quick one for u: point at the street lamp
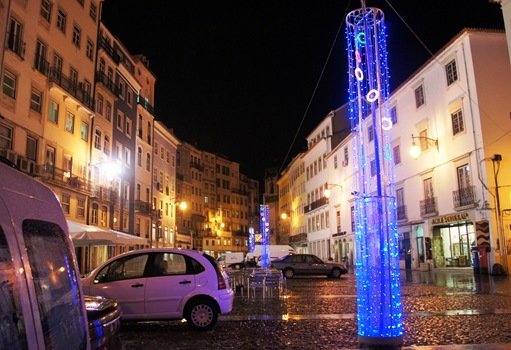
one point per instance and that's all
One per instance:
(500, 228)
(415, 150)
(327, 190)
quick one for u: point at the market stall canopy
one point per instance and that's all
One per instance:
(84, 235)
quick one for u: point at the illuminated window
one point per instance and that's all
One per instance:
(458, 125)
(451, 72)
(419, 96)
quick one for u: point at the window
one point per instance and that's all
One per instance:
(57, 65)
(372, 166)
(106, 145)
(128, 127)
(120, 121)
(77, 34)
(108, 111)
(419, 96)
(129, 98)
(89, 51)
(70, 122)
(73, 76)
(99, 104)
(458, 124)
(424, 142)
(10, 83)
(14, 43)
(463, 177)
(94, 213)
(53, 115)
(61, 20)
(36, 98)
(97, 139)
(148, 162)
(397, 154)
(451, 72)
(127, 157)
(84, 131)
(121, 89)
(40, 58)
(31, 151)
(335, 162)
(393, 115)
(139, 156)
(93, 13)
(65, 203)
(370, 133)
(5, 137)
(46, 10)
(80, 207)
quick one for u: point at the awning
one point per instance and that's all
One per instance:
(84, 235)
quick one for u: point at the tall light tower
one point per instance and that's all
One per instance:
(379, 307)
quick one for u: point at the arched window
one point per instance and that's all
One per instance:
(94, 214)
(139, 156)
(148, 162)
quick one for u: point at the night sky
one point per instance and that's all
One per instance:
(251, 79)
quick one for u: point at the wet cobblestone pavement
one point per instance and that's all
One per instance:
(442, 310)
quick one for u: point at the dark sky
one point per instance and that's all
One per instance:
(251, 79)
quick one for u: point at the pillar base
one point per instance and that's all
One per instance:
(380, 341)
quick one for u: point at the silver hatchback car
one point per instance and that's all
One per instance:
(164, 284)
(308, 264)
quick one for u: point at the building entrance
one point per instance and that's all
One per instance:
(452, 245)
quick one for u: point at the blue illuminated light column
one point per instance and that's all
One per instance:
(264, 224)
(379, 308)
(251, 240)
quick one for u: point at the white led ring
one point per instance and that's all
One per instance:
(372, 95)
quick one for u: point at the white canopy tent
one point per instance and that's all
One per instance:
(87, 235)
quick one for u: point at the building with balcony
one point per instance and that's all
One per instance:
(453, 196)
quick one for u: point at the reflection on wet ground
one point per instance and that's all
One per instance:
(461, 279)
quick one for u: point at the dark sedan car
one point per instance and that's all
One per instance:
(308, 264)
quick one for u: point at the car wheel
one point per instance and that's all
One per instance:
(289, 273)
(336, 273)
(201, 314)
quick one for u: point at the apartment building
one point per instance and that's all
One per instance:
(166, 202)
(453, 197)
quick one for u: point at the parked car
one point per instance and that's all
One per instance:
(235, 260)
(164, 284)
(42, 303)
(104, 316)
(277, 251)
(308, 264)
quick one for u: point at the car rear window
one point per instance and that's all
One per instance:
(56, 284)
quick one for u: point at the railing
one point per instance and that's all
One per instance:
(104, 194)
(63, 178)
(464, 197)
(301, 237)
(429, 207)
(143, 207)
(70, 86)
(146, 105)
(16, 45)
(401, 212)
(315, 205)
(109, 50)
(42, 65)
(101, 77)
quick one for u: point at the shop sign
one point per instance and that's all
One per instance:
(449, 218)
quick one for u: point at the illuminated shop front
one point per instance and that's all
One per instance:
(452, 241)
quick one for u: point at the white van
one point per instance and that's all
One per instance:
(276, 252)
(42, 305)
(235, 260)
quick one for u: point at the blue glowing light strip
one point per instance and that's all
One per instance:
(379, 308)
